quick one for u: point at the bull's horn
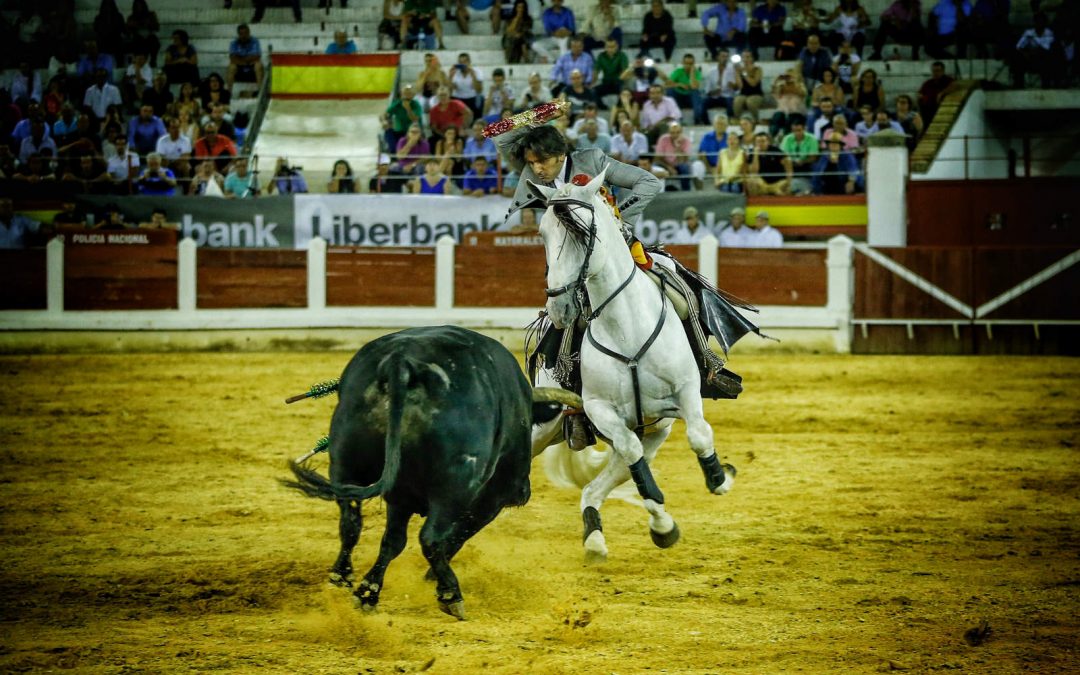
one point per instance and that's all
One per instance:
(557, 395)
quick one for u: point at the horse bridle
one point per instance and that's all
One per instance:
(577, 286)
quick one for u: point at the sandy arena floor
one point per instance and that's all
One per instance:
(884, 507)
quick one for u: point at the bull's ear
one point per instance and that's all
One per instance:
(595, 183)
(541, 193)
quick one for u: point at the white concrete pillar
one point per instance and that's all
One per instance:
(708, 260)
(444, 272)
(886, 189)
(316, 274)
(187, 275)
(54, 276)
(840, 293)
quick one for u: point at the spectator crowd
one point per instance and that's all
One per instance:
(121, 113)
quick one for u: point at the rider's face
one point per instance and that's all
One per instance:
(545, 169)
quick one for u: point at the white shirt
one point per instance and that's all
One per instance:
(99, 99)
(461, 85)
(170, 149)
(725, 83)
(748, 237)
(559, 182)
(685, 236)
(601, 125)
(118, 166)
(632, 150)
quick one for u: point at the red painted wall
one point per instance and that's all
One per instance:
(957, 213)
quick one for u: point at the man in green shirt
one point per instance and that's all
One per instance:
(687, 88)
(610, 65)
(802, 149)
(402, 113)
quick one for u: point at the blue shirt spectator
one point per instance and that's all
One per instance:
(92, 60)
(155, 179)
(341, 44)
(726, 21)
(557, 16)
(947, 14)
(711, 145)
(14, 227)
(484, 147)
(22, 130)
(775, 15)
(479, 183)
(248, 47)
(575, 59)
(145, 130)
(836, 176)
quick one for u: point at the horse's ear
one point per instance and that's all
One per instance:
(539, 192)
(595, 183)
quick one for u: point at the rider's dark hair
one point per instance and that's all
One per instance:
(545, 142)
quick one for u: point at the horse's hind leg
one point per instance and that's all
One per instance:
(349, 522)
(393, 543)
(719, 478)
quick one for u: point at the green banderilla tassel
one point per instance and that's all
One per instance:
(320, 446)
(317, 391)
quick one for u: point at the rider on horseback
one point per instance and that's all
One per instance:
(542, 155)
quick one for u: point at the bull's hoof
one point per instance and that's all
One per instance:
(665, 540)
(367, 595)
(455, 609)
(342, 580)
(429, 575)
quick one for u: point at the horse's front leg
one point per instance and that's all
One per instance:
(632, 453)
(719, 478)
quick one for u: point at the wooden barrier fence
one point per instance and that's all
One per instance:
(491, 280)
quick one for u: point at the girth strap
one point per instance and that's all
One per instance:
(632, 362)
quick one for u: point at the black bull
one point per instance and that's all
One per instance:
(438, 421)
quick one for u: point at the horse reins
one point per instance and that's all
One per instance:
(579, 284)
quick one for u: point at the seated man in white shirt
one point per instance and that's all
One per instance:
(175, 149)
(692, 231)
(630, 144)
(123, 165)
(758, 235)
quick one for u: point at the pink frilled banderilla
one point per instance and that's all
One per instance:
(538, 115)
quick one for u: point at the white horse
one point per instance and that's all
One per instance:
(638, 371)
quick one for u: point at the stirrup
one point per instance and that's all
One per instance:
(717, 381)
(578, 431)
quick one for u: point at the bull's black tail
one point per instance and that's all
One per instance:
(395, 375)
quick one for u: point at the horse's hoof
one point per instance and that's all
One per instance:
(665, 540)
(342, 580)
(729, 480)
(455, 609)
(595, 557)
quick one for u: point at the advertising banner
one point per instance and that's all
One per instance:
(265, 222)
(290, 221)
(393, 220)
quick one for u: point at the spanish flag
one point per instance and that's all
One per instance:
(315, 76)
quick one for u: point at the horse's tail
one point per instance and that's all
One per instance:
(395, 374)
(576, 469)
